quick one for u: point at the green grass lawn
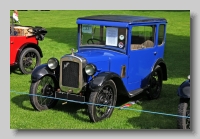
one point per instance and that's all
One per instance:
(61, 37)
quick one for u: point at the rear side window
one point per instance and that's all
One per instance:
(161, 34)
(142, 37)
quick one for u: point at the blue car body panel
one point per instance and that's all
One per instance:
(139, 63)
(105, 60)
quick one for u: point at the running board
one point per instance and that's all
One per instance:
(136, 92)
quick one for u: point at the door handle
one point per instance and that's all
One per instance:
(11, 42)
(155, 53)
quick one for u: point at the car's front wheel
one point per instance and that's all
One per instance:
(42, 93)
(102, 102)
(183, 110)
(28, 60)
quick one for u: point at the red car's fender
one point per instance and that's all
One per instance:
(19, 43)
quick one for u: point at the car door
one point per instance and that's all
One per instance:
(142, 55)
(13, 51)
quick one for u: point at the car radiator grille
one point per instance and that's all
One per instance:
(70, 74)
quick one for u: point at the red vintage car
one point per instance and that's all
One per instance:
(24, 49)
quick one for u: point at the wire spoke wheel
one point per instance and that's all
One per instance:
(155, 83)
(29, 59)
(45, 89)
(188, 119)
(103, 102)
(184, 110)
(43, 93)
(105, 99)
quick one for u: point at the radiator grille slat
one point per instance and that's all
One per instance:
(70, 74)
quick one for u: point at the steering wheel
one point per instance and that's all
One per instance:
(91, 40)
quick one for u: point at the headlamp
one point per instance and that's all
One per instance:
(52, 63)
(90, 69)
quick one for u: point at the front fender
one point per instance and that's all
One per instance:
(184, 89)
(98, 80)
(41, 71)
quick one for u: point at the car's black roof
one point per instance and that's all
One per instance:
(123, 18)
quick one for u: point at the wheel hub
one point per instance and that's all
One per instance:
(153, 82)
(28, 61)
(47, 90)
(103, 100)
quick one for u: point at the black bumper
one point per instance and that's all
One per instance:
(69, 96)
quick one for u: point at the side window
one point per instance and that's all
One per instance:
(161, 35)
(142, 37)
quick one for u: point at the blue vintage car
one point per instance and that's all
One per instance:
(116, 55)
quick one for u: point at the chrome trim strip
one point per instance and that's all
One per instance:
(82, 63)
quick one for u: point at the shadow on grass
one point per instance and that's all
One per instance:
(18, 100)
(80, 111)
(167, 104)
(162, 115)
(76, 110)
(15, 70)
(63, 35)
(71, 108)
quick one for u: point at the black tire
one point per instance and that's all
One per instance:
(42, 93)
(106, 96)
(155, 83)
(28, 60)
(183, 110)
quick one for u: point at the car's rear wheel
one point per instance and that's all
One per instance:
(29, 59)
(155, 83)
(42, 93)
(101, 103)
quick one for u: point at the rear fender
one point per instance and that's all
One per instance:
(163, 66)
(29, 45)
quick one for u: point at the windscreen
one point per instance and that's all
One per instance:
(103, 36)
